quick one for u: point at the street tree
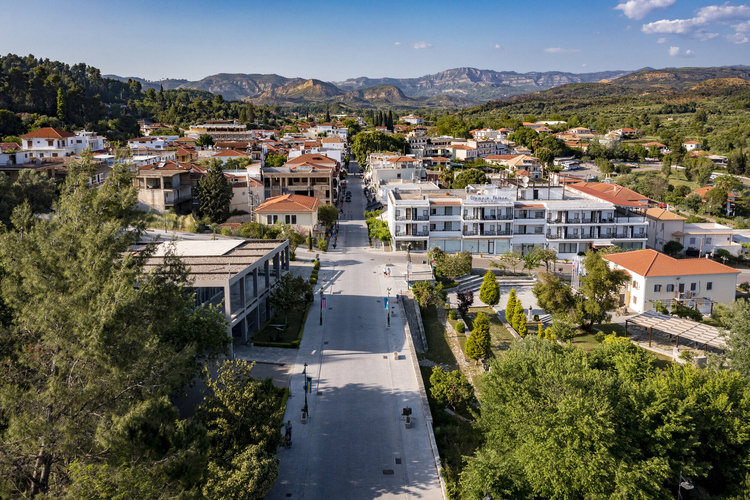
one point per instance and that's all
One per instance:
(428, 294)
(289, 294)
(553, 295)
(328, 215)
(489, 293)
(512, 259)
(599, 292)
(450, 265)
(465, 300)
(532, 260)
(214, 194)
(451, 388)
(547, 255)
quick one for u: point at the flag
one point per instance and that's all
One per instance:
(323, 303)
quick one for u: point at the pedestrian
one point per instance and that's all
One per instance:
(385, 272)
(288, 429)
(389, 272)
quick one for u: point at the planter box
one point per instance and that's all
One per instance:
(407, 423)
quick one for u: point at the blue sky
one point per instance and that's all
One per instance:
(337, 40)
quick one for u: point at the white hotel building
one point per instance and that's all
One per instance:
(492, 220)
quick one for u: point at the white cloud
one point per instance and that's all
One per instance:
(559, 50)
(675, 52)
(695, 26)
(584, 65)
(499, 47)
(742, 34)
(661, 40)
(638, 9)
(738, 38)
(397, 43)
(422, 45)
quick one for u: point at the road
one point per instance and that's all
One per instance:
(355, 444)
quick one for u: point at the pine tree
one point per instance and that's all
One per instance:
(489, 293)
(478, 344)
(510, 308)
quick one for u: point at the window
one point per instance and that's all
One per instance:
(568, 247)
(708, 241)
(662, 226)
(433, 211)
(635, 299)
(709, 285)
(670, 288)
(271, 219)
(291, 219)
(636, 285)
(692, 241)
(657, 288)
(693, 287)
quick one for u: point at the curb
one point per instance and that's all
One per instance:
(423, 397)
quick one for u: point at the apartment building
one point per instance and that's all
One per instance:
(222, 130)
(164, 185)
(307, 175)
(492, 220)
(49, 142)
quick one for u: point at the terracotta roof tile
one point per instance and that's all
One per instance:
(652, 263)
(47, 133)
(289, 203)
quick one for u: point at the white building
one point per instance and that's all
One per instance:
(413, 119)
(696, 283)
(50, 142)
(492, 220)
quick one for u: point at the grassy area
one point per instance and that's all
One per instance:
(587, 340)
(501, 338)
(439, 350)
(448, 282)
(455, 439)
(284, 334)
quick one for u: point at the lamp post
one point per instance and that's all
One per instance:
(304, 409)
(684, 485)
(388, 308)
(322, 298)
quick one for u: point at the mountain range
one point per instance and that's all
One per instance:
(457, 87)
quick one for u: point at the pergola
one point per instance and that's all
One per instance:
(686, 329)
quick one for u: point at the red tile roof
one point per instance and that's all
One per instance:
(289, 203)
(47, 133)
(583, 188)
(652, 263)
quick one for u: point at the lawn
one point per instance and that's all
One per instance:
(438, 350)
(283, 334)
(501, 338)
(587, 340)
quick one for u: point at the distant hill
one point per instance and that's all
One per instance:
(479, 84)
(680, 78)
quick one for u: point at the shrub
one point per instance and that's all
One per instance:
(452, 314)
(313, 281)
(536, 317)
(316, 265)
(460, 327)
(322, 244)
(599, 337)
(292, 255)
(226, 231)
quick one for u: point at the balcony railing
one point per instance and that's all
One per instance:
(415, 233)
(532, 217)
(418, 217)
(471, 217)
(555, 220)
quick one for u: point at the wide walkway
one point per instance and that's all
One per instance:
(355, 444)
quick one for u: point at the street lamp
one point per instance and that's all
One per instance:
(684, 485)
(387, 309)
(322, 298)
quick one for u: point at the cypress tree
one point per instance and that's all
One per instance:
(510, 308)
(478, 344)
(214, 194)
(489, 293)
(520, 325)
(62, 104)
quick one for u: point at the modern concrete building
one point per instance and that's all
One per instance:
(234, 274)
(308, 175)
(662, 224)
(222, 130)
(696, 283)
(492, 220)
(164, 185)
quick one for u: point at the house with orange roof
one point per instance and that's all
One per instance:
(620, 192)
(656, 277)
(731, 197)
(412, 119)
(663, 149)
(49, 142)
(311, 174)
(293, 209)
(231, 154)
(662, 224)
(691, 145)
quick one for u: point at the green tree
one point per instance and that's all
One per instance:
(428, 294)
(328, 215)
(532, 260)
(545, 157)
(93, 340)
(451, 388)
(599, 292)
(546, 255)
(739, 337)
(539, 391)
(62, 104)
(512, 258)
(563, 327)
(716, 200)
(214, 194)
(39, 191)
(450, 265)
(666, 166)
(470, 176)
(693, 202)
(510, 308)
(289, 294)
(736, 160)
(552, 294)
(728, 183)
(373, 142)
(520, 325)
(478, 344)
(274, 160)
(204, 140)
(604, 165)
(243, 416)
(489, 293)
(673, 247)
